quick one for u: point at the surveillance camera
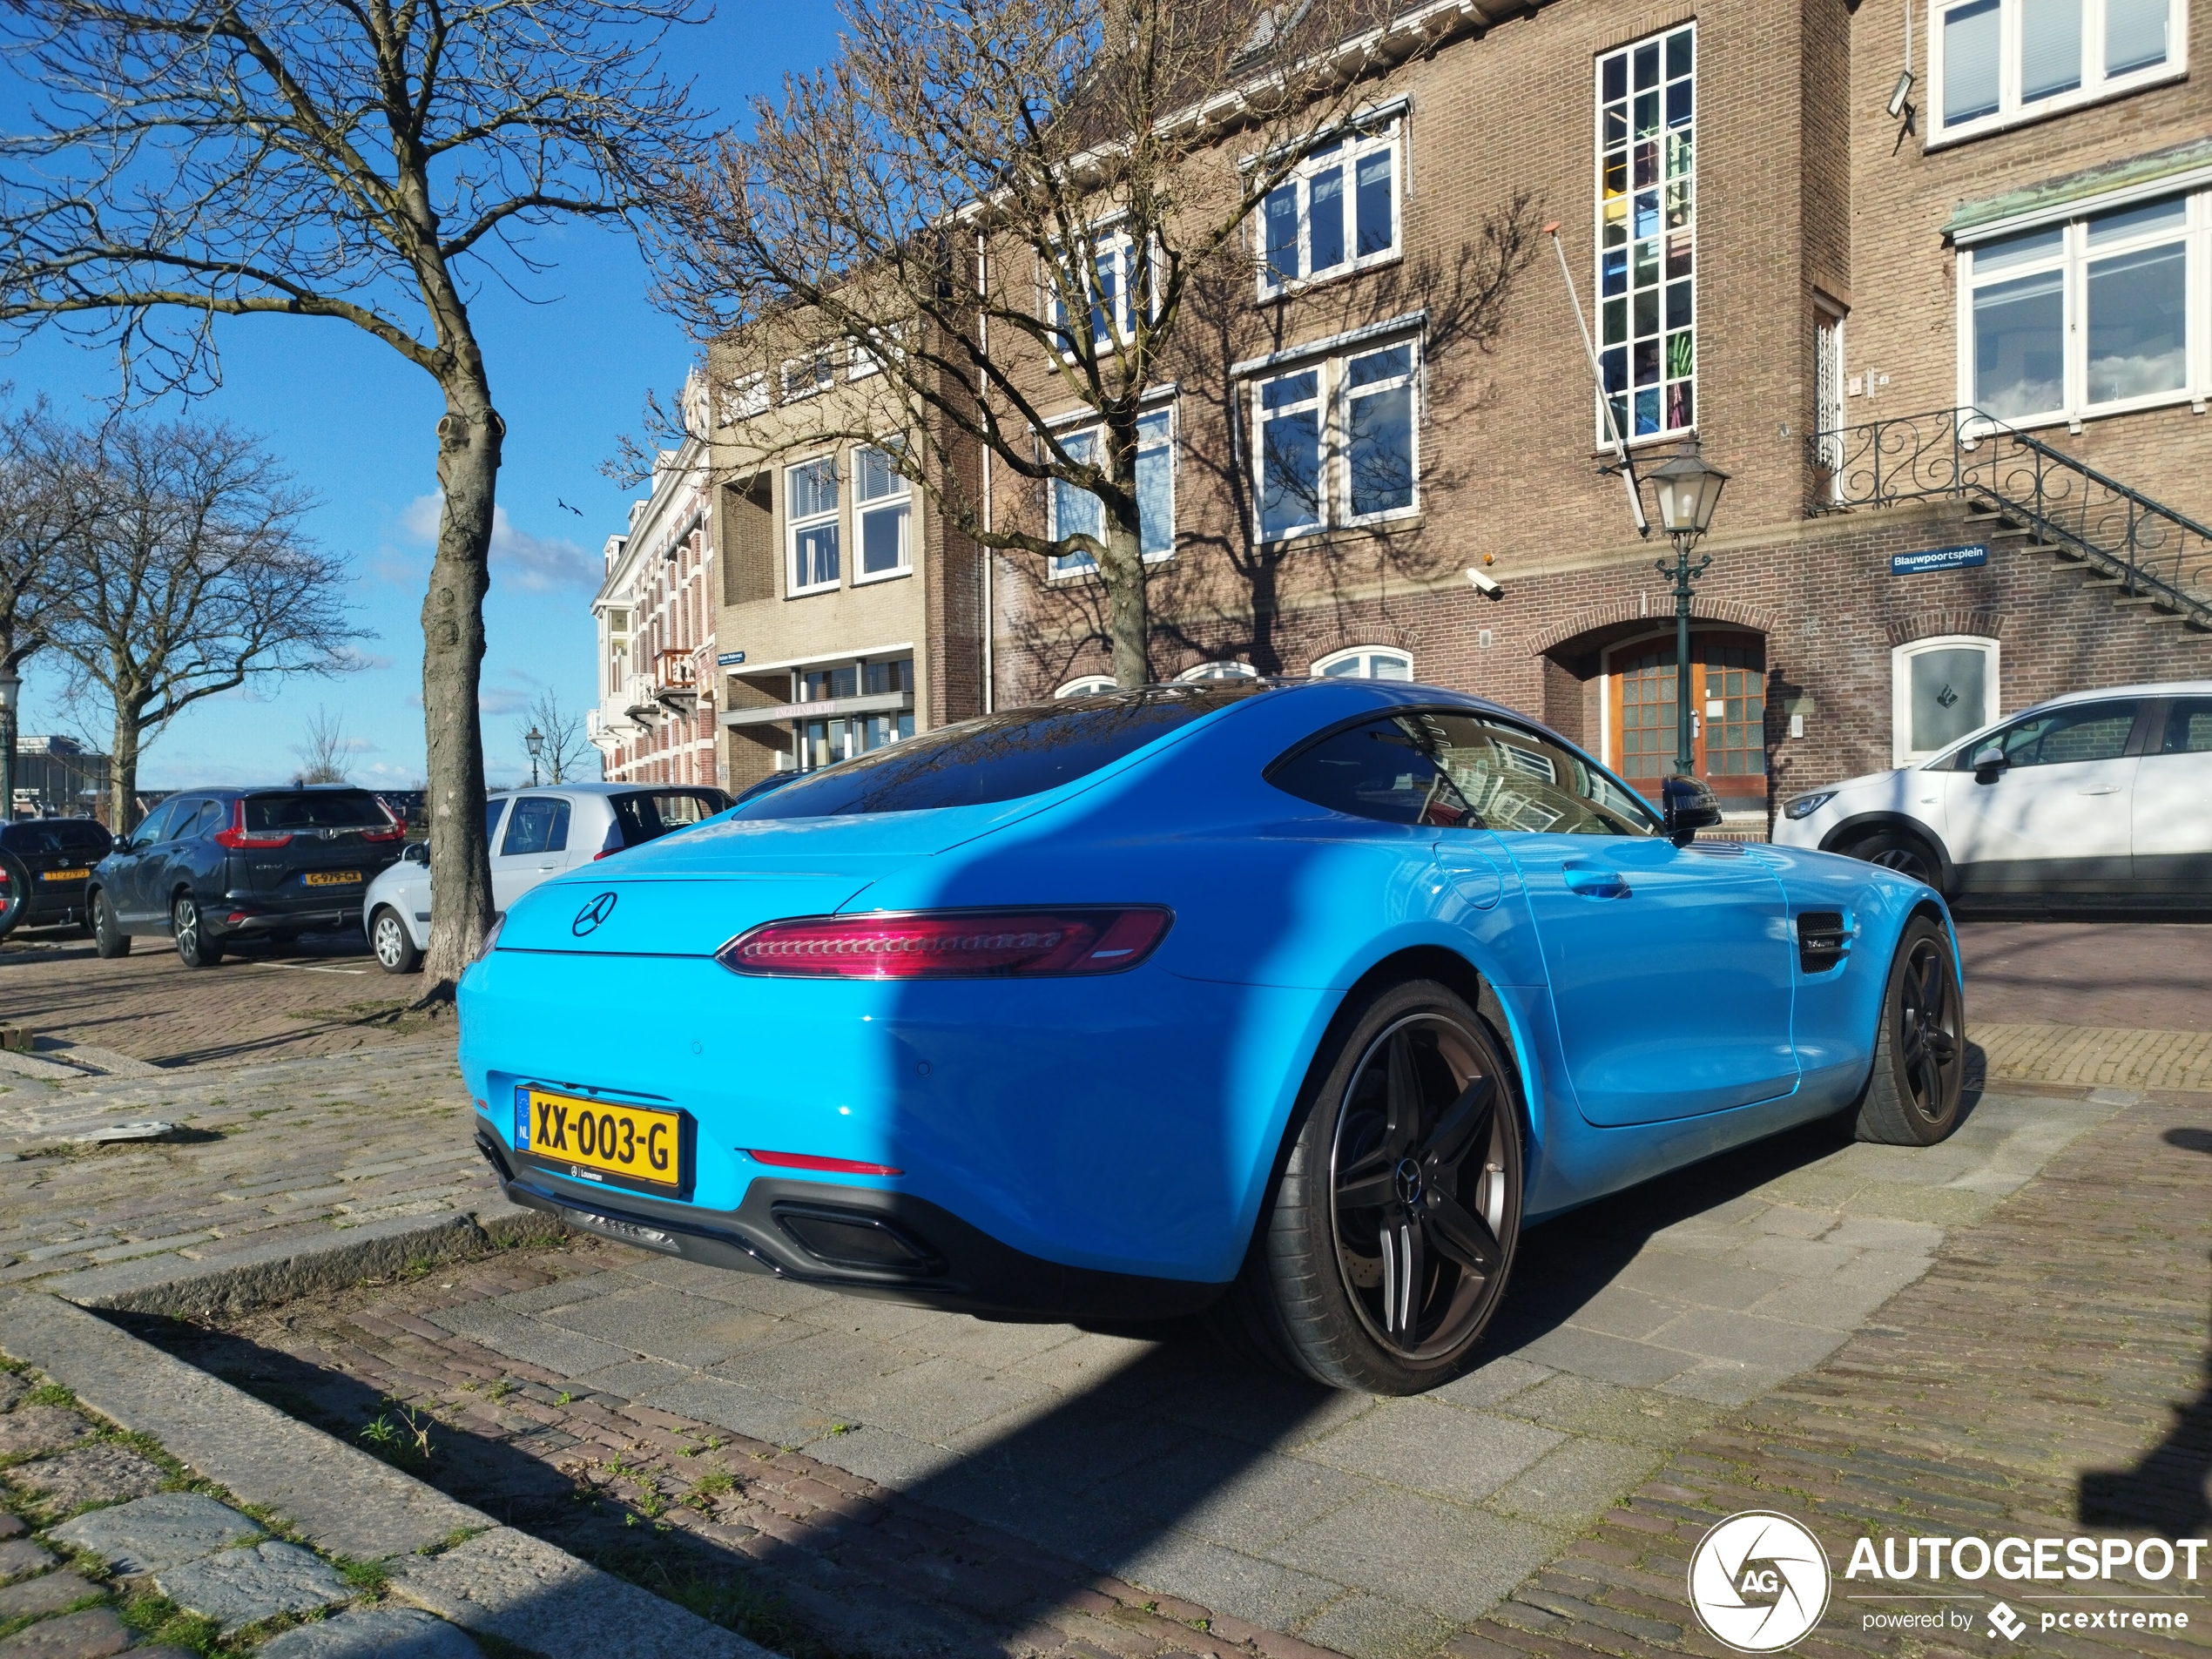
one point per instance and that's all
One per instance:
(1902, 90)
(1487, 586)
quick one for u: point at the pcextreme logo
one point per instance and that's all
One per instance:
(1758, 1582)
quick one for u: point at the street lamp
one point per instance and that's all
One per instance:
(1688, 490)
(535, 740)
(10, 684)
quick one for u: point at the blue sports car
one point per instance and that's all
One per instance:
(1292, 1002)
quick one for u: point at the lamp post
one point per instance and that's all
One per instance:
(1688, 490)
(535, 740)
(10, 684)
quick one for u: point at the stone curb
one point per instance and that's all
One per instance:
(284, 1269)
(499, 1582)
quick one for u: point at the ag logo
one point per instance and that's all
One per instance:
(589, 918)
(1759, 1582)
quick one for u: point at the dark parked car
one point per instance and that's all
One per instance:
(45, 864)
(213, 865)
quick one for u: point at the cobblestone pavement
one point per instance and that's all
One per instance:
(2115, 975)
(320, 995)
(911, 1482)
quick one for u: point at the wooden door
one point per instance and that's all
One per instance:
(1728, 697)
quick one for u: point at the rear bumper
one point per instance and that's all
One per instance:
(233, 920)
(892, 1246)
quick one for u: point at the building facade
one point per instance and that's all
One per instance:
(657, 613)
(1950, 336)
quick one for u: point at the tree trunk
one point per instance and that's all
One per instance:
(469, 437)
(123, 770)
(1130, 615)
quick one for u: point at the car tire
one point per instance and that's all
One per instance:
(15, 894)
(1904, 851)
(108, 941)
(388, 938)
(188, 928)
(1917, 1082)
(1406, 1149)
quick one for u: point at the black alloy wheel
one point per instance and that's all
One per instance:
(1917, 1081)
(109, 940)
(1907, 856)
(1387, 1250)
(188, 927)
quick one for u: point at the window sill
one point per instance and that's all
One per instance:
(1307, 285)
(1648, 441)
(808, 593)
(882, 575)
(2051, 108)
(1409, 518)
(1092, 569)
(2074, 420)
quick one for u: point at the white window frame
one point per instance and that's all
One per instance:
(1088, 685)
(1355, 653)
(1902, 752)
(1221, 668)
(1334, 396)
(1660, 235)
(1108, 243)
(1356, 141)
(899, 499)
(1081, 565)
(745, 398)
(2073, 257)
(793, 524)
(798, 383)
(2096, 86)
(864, 362)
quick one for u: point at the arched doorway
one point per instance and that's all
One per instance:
(1727, 706)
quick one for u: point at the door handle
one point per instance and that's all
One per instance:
(1597, 884)
(2107, 789)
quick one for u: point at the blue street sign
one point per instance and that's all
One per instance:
(1939, 559)
(730, 659)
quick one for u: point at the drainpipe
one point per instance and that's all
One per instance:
(982, 390)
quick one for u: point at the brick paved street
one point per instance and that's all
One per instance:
(2123, 975)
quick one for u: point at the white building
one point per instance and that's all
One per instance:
(655, 719)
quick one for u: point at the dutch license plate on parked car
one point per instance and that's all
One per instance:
(332, 878)
(64, 875)
(638, 1142)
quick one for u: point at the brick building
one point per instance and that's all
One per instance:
(1776, 265)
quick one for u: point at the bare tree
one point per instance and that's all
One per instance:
(562, 747)
(325, 748)
(188, 576)
(364, 162)
(39, 502)
(995, 210)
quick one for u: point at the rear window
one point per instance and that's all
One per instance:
(1001, 757)
(353, 809)
(67, 837)
(648, 815)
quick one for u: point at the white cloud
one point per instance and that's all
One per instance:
(535, 564)
(497, 702)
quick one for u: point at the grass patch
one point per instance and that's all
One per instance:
(50, 1394)
(362, 1575)
(157, 1619)
(400, 1435)
(715, 1483)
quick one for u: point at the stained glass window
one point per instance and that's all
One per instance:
(1647, 214)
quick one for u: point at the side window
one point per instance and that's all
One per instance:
(493, 808)
(205, 821)
(1387, 769)
(2188, 727)
(2085, 732)
(1517, 779)
(538, 824)
(156, 824)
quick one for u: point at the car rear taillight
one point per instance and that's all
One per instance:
(235, 837)
(394, 827)
(809, 1161)
(951, 944)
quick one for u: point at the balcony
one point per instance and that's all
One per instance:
(675, 683)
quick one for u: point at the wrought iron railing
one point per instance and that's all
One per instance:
(2152, 552)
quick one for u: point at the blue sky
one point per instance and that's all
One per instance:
(571, 365)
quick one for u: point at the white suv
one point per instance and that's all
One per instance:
(2096, 799)
(534, 834)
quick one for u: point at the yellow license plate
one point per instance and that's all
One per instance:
(602, 1136)
(332, 878)
(64, 875)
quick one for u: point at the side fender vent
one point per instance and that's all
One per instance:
(1823, 940)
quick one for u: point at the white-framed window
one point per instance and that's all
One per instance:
(1337, 213)
(1074, 512)
(1647, 233)
(804, 376)
(827, 740)
(883, 504)
(1996, 63)
(1088, 685)
(1365, 663)
(863, 360)
(1336, 442)
(1224, 670)
(1941, 689)
(1112, 275)
(2096, 315)
(746, 397)
(811, 514)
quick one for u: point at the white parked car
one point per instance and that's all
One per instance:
(2093, 800)
(534, 834)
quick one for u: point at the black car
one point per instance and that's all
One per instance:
(209, 866)
(45, 865)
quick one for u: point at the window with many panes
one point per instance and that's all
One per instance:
(1336, 442)
(1995, 61)
(826, 740)
(1111, 276)
(1365, 663)
(2092, 316)
(811, 511)
(1647, 233)
(1337, 213)
(883, 503)
(1077, 512)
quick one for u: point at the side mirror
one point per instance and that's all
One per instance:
(1989, 761)
(415, 853)
(1690, 806)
